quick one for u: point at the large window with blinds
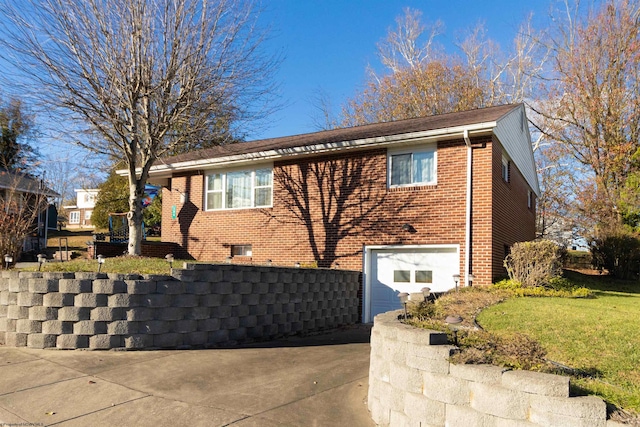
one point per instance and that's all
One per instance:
(239, 189)
(413, 167)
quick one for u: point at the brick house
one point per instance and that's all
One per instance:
(400, 201)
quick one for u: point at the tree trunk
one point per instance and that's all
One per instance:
(135, 219)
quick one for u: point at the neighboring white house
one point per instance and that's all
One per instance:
(79, 215)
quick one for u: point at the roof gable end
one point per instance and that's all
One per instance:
(512, 130)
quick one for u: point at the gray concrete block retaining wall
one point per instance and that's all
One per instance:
(412, 383)
(200, 305)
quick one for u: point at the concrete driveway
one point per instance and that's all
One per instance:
(312, 381)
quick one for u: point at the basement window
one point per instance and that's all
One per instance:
(241, 250)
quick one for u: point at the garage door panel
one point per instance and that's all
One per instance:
(384, 294)
(409, 270)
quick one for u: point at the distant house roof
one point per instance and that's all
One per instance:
(482, 121)
(24, 183)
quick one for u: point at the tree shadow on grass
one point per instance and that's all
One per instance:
(603, 282)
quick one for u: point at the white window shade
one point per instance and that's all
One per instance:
(239, 189)
(414, 167)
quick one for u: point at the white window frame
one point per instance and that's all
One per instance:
(506, 163)
(87, 215)
(223, 174)
(74, 217)
(245, 249)
(529, 199)
(431, 148)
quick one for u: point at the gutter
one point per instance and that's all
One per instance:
(467, 231)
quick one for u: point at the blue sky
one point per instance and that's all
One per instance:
(327, 44)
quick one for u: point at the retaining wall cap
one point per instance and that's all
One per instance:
(194, 266)
(389, 318)
(87, 275)
(589, 407)
(488, 374)
(27, 275)
(119, 276)
(537, 383)
(157, 277)
(409, 333)
(57, 275)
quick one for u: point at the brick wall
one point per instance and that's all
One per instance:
(412, 382)
(83, 223)
(203, 305)
(512, 220)
(354, 209)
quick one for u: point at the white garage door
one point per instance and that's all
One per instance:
(395, 270)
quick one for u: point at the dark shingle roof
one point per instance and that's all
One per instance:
(442, 121)
(23, 183)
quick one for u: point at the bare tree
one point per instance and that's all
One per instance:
(22, 200)
(144, 77)
(411, 43)
(423, 79)
(506, 77)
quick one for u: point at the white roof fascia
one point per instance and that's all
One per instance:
(382, 141)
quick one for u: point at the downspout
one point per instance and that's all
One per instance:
(467, 243)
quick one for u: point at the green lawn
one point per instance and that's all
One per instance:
(124, 265)
(599, 335)
(76, 239)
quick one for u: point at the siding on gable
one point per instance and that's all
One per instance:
(511, 130)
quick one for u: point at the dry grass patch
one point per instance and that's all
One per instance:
(476, 345)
